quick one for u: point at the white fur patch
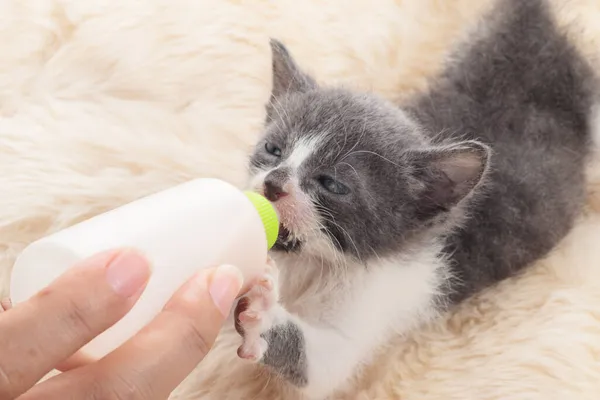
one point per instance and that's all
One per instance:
(257, 180)
(360, 311)
(303, 148)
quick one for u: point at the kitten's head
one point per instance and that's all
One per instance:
(350, 174)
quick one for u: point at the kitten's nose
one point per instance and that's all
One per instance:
(273, 187)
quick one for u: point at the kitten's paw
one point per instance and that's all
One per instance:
(256, 313)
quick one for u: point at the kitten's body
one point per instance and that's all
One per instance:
(525, 91)
(392, 214)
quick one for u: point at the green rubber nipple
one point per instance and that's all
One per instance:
(268, 216)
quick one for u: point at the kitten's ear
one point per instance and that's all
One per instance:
(287, 77)
(448, 174)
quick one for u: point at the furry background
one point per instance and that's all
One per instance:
(103, 101)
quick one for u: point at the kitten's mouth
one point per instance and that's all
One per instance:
(286, 241)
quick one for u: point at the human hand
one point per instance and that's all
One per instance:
(45, 332)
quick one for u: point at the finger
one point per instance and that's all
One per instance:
(155, 361)
(52, 325)
(77, 360)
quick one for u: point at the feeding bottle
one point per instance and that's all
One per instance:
(198, 224)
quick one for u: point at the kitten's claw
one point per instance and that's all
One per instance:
(253, 351)
(249, 316)
(256, 313)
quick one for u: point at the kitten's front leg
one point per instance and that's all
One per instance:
(301, 354)
(321, 358)
(266, 326)
(373, 303)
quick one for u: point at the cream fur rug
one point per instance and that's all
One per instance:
(103, 101)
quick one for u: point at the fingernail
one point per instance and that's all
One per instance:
(128, 273)
(224, 287)
(5, 304)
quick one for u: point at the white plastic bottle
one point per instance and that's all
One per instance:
(201, 223)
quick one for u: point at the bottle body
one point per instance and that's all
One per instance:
(199, 224)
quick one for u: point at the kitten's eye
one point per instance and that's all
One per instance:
(333, 186)
(272, 149)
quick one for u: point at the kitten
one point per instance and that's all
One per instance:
(391, 214)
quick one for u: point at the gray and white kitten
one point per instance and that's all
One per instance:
(390, 214)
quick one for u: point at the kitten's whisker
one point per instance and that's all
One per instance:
(275, 108)
(338, 257)
(376, 255)
(345, 138)
(368, 193)
(373, 153)
(282, 109)
(353, 169)
(344, 231)
(364, 131)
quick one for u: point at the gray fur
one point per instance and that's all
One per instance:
(286, 353)
(522, 90)
(525, 91)
(490, 160)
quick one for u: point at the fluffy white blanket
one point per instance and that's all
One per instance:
(103, 101)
